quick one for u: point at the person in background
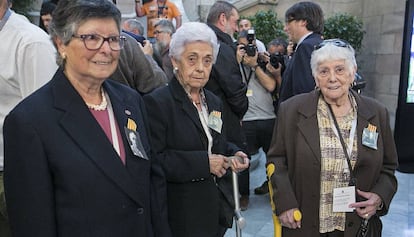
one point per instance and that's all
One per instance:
(70, 168)
(197, 165)
(163, 32)
(304, 26)
(260, 117)
(134, 28)
(290, 49)
(332, 140)
(28, 62)
(156, 10)
(46, 11)
(246, 24)
(226, 81)
(277, 46)
(137, 68)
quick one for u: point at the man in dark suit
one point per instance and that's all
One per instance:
(226, 81)
(304, 26)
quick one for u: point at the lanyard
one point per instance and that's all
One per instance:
(337, 132)
(336, 129)
(114, 134)
(5, 18)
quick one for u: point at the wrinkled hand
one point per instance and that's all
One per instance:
(368, 208)
(286, 219)
(218, 164)
(237, 165)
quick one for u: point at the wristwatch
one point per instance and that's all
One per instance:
(254, 67)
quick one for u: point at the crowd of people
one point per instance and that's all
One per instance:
(109, 128)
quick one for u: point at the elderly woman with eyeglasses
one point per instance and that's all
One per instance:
(186, 128)
(71, 168)
(333, 152)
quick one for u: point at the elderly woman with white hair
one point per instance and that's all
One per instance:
(186, 137)
(333, 151)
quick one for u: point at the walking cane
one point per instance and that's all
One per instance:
(297, 215)
(239, 219)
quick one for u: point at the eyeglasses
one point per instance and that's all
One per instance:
(337, 42)
(156, 32)
(289, 20)
(95, 41)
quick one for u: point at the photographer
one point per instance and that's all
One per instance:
(260, 117)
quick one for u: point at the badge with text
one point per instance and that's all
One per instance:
(370, 136)
(214, 121)
(342, 197)
(134, 141)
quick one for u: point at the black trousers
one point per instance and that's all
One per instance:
(258, 135)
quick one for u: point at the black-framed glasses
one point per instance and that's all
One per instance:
(336, 42)
(289, 20)
(95, 41)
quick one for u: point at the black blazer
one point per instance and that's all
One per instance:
(180, 145)
(62, 174)
(297, 77)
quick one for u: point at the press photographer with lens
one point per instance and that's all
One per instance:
(259, 119)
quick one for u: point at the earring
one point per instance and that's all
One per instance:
(63, 56)
(175, 70)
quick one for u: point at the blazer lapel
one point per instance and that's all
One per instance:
(80, 124)
(180, 95)
(308, 125)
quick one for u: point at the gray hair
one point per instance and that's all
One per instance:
(70, 14)
(134, 24)
(191, 32)
(166, 25)
(329, 50)
(217, 9)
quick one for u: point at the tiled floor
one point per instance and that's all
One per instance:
(398, 223)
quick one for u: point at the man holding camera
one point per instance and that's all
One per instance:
(260, 117)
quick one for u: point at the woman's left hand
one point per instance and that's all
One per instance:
(238, 165)
(369, 207)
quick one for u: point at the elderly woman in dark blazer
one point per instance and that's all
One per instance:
(70, 166)
(312, 162)
(186, 137)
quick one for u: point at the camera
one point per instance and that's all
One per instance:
(250, 47)
(277, 58)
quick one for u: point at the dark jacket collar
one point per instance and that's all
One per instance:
(221, 36)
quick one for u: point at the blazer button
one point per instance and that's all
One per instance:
(140, 211)
(350, 224)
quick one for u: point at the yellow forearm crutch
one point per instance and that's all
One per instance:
(297, 215)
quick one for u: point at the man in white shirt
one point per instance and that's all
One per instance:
(27, 62)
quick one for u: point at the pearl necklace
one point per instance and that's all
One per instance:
(101, 106)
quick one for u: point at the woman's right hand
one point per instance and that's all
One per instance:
(218, 164)
(287, 219)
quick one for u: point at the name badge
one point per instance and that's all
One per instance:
(370, 136)
(249, 92)
(214, 121)
(342, 197)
